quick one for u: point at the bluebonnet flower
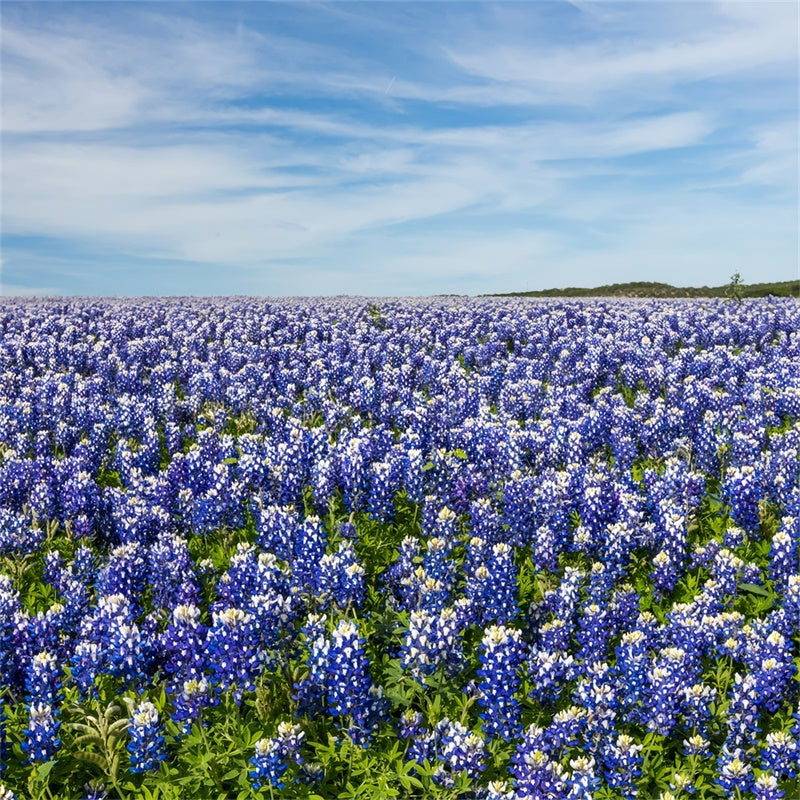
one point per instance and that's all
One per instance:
(665, 573)
(251, 573)
(593, 633)
(555, 636)
(383, 485)
(765, 787)
(624, 608)
(791, 600)
(697, 745)
(42, 682)
(41, 736)
(309, 692)
(190, 699)
(546, 548)
(128, 653)
(485, 520)
(498, 790)
(501, 656)
(350, 694)
(3, 739)
(352, 457)
(271, 759)
(499, 599)
(341, 577)
(170, 574)
(565, 729)
(535, 773)
(781, 754)
(773, 678)
(784, 553)
(742, 716)
(547, 669)
(146, 745)
(276, 528)
(734, 772)
(94, 790)
(454, 747)
(420, 746)
(565, 598)
(269, 764)
(460, 750)
(727, 570)
(597, 692)
(696, 706)
(183, 643)
(742, 488)
(703, 555)
(400, 577)
(622, 761)
(17, 534)
(583, 780)
(54, 572)
(664, 683)
(124, 573)
(309, 548)
(734, 537)
(432, 640)
(86, 664)
(234, 660)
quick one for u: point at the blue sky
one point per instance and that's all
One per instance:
(396, 149)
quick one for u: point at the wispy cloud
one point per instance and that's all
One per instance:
(373, 148)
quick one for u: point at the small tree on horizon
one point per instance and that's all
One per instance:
(735, 287)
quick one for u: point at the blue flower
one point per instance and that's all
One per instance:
(41, 736)
(781, 754)
(42, 682)
(765, 787)
(502, 652)
(350, 695)
(234, 660)
(583, 781)
(272, 756)
(146, 745)
(536, 774)
(3, 740)
(191, 698)
(622, 761)
(734, 773)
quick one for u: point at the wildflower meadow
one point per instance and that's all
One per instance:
(504, 549)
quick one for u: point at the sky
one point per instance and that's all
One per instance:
(388, 148)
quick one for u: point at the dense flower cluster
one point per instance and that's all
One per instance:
(573, 527)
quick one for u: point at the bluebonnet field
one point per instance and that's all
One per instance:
(438, 548)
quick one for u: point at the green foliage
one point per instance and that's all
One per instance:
(735, 288)
(211, 760)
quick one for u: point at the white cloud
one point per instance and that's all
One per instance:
(160, 136)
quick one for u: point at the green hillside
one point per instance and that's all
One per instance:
(652, 289)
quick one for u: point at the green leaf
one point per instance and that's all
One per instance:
(91, 758)
(427, 465)
(460, 454)
(43, 770)
(754, 588)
